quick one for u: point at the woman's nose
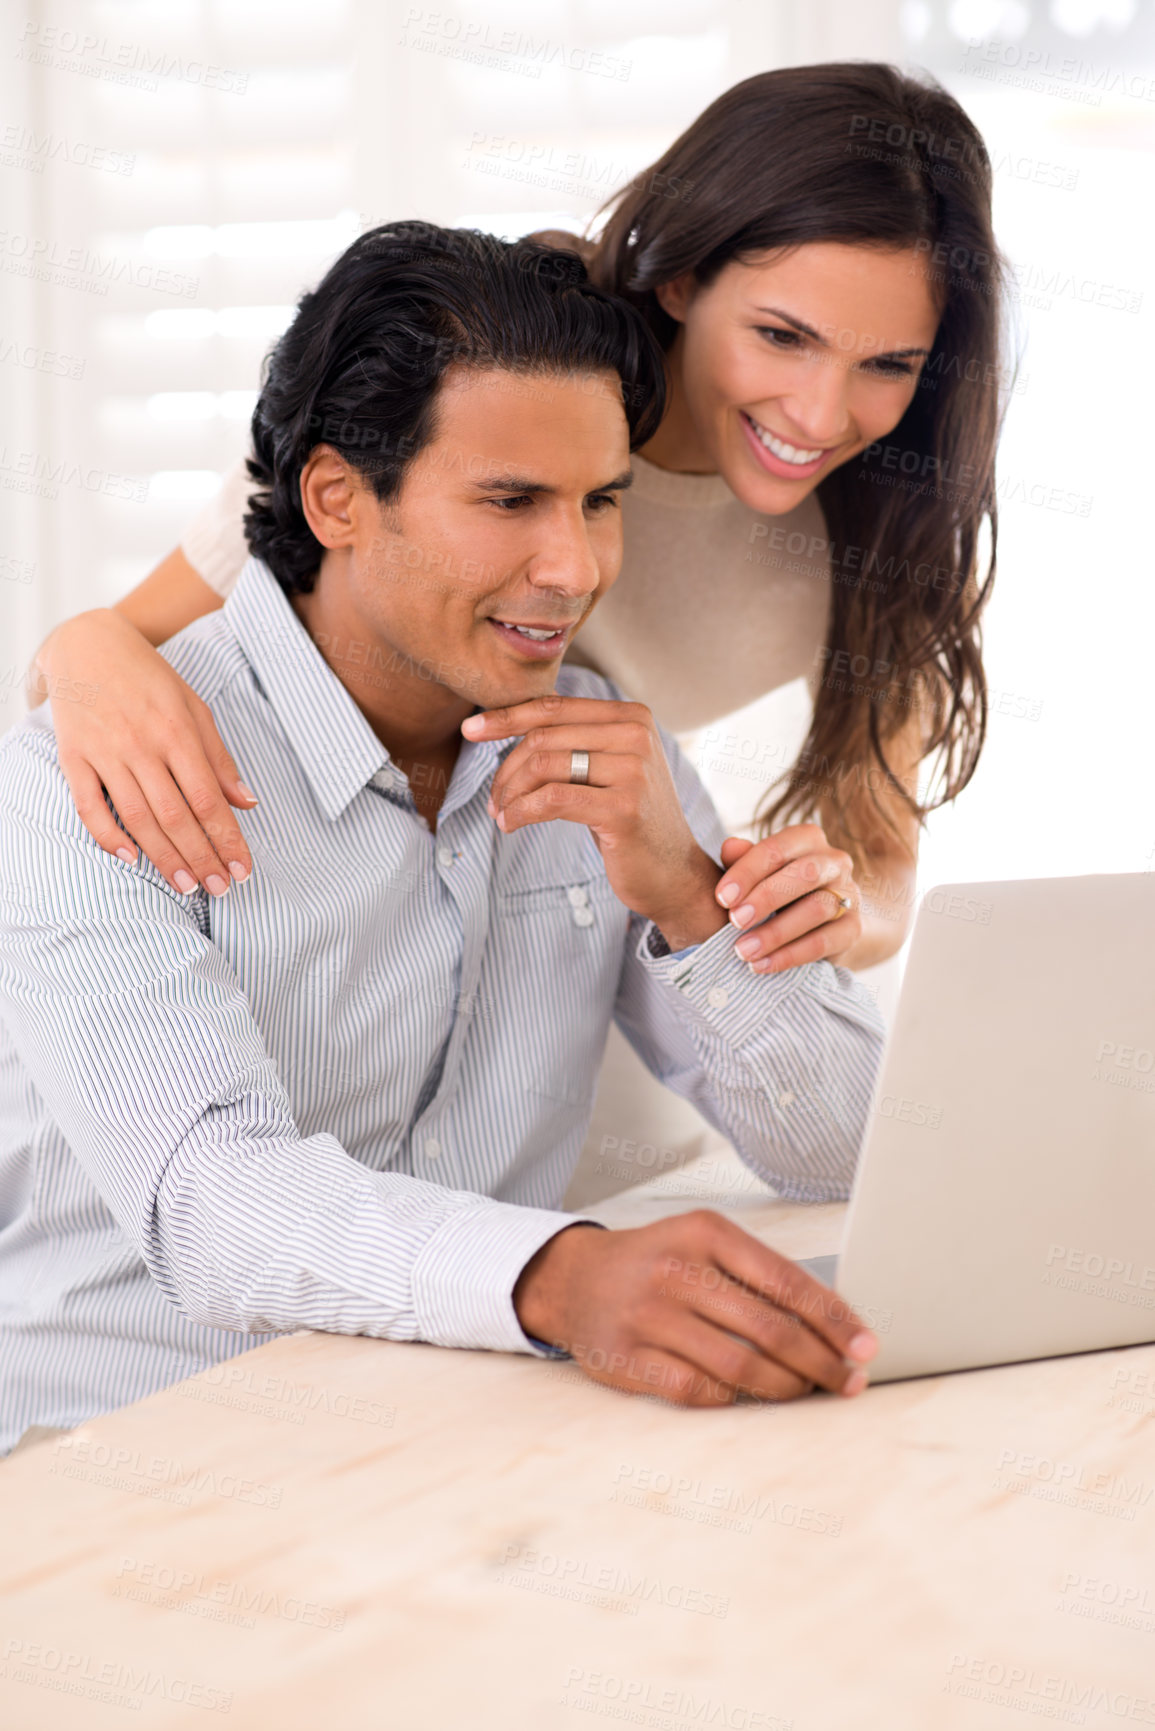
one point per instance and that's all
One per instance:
(819, 410)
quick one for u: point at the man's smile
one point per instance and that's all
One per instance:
(538, 640)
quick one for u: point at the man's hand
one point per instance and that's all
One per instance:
(630, 804)
(654, 1310)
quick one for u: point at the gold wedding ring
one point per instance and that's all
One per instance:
(579, 767)
(844, 905)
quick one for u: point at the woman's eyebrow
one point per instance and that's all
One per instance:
(809, 331)
(778, 313)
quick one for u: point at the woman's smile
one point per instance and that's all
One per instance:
(794, 462)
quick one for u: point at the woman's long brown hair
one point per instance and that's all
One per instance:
(860, 153)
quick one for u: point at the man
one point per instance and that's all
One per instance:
(349, 1094)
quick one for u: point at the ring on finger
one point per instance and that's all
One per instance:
(844, 905)
(579, 768)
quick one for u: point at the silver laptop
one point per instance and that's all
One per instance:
(1004, 1204)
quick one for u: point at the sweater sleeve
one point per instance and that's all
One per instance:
(214, 542)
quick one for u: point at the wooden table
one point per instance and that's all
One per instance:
(353, 1534)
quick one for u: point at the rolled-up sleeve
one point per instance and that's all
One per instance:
(134, 1031)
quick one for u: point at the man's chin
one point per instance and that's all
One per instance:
(503, 690)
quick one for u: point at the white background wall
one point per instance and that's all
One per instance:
(174, 172)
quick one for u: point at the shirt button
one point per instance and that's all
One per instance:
(717, 998)
(785, 1098)
(385, 780)
(583, 916)
(431, 1148)
(578, 897)
(444, 857)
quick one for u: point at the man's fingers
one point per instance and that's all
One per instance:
(652, 1371)
(790, 1287)
(549, 711)
(606, 769)
(771, 1333)
(701, 1367)
(736, 1364)
(571, 801)
(619, 739)
(694, 1310)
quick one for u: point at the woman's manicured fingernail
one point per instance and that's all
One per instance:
(727, 893)
(747, 947)
(863, 1347)
(246, 792)
(184, 881)
(855, 1382)
(237, 871)
(473, 725)
(215, 884)
(743, 915)
(127, 855)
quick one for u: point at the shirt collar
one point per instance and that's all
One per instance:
(333, 742)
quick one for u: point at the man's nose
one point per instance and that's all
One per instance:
(565, 561)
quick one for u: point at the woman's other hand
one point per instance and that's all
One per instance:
(805, 884)
(125, 718)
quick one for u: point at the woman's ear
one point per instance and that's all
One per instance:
(328, 488)
(674, 297)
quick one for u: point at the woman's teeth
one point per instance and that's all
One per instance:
(530, 631)
(788, 453)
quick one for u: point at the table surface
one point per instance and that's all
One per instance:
(356, 1533)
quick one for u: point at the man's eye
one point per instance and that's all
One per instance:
(512, 502)
(600, 501)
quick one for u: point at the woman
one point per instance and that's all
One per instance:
(815, 255)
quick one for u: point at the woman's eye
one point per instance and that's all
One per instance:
(778, 338)
(781, 339)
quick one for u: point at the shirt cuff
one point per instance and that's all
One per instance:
(659, 948)
(719, 987)
(464, 1276)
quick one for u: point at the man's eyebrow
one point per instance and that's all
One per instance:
(503, 482)
(809, 331)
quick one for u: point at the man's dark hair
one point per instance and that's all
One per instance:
(360, 366)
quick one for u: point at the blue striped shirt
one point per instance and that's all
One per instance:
(350, 1094)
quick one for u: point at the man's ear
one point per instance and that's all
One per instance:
(328, 497)
(674, 297)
